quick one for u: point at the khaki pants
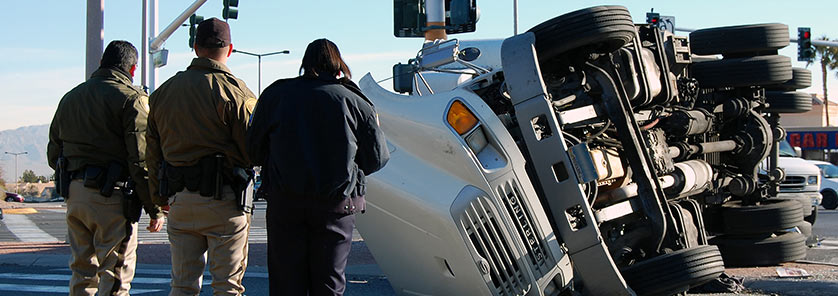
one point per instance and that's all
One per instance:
(201, 227)
(102, 241)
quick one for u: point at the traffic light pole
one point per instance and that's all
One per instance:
(156, 42)
(95, 34)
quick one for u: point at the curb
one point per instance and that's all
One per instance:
(20, 211)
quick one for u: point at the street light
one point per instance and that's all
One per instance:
(260, 61)
(16, 154)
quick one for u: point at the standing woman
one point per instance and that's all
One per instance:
(316, 137)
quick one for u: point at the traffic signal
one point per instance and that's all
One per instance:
(653, 18)
(194, 20)
(231, 10)
(805, 51)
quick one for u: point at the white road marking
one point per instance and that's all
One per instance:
(827, 244)
(26, 230)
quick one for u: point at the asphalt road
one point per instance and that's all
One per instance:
(30, 267)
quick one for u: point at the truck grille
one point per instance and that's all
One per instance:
(481, 225)
(793, 183)
(524, 224)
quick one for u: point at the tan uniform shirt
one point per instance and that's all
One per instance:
(196, 113)
(100, 121)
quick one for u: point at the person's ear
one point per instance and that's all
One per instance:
(230, 50)
(133, 68)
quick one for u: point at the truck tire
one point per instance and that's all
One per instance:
(788, 102)
(675, 272)
(800, 78)
(598, 29)
(830, 199)
(739, 39)
(768, 216)
(756, 250)
(752, 71)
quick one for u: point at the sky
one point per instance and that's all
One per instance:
(43, 55)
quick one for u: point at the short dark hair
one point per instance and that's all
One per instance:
(322, 57)
(120, 54)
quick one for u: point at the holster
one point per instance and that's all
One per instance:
(94, 177)
(62, 177)
(205, 177)
(239, 181)
(132, 207)
(114, 174)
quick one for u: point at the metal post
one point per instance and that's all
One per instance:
(95, 35)
(260, 75)
(515, 17)
(158, 41)
(144, 51)
(17, 182)
(152, 73)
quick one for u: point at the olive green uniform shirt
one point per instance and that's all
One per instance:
(100, 121)
(198, 112)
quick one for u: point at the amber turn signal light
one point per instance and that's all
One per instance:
(460, 118)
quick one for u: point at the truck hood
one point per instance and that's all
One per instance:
(797, 166)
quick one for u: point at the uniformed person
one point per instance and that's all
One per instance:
(317, 137)
(98, 132)
(197, 160)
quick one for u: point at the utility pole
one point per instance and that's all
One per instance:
(17, 183)
(95, 36)
(260, 62)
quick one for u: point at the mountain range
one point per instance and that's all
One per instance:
(30, 139)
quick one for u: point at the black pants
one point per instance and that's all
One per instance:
(307, 250)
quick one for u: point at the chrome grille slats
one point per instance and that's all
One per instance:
(481, 226)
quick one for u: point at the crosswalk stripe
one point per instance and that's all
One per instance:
(57, 289)
(25, 230)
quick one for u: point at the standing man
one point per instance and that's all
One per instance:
(96, 141)
(197, 161)
(316, 137)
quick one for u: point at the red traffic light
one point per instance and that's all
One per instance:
(806, 34)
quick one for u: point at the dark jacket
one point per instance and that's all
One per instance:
(103, 120)
(316, 139)
(196, 113)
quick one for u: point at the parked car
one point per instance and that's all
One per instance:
(13, 197)
(829, 183)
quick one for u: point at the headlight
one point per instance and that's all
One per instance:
(812, 180)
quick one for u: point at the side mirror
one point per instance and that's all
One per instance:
(403, 78)
(798, 151)
(409, 17)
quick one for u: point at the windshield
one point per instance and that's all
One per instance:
(828, 170)
(786, 150)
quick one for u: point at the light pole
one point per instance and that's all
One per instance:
(16, 154)
(260, 62)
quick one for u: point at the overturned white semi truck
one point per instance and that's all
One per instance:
(578, 157)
